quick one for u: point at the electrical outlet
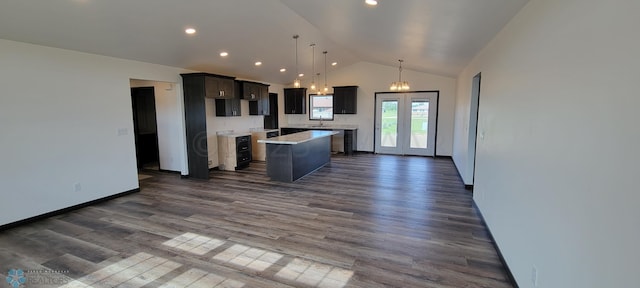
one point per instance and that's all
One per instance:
(534, 276)
(77, 187)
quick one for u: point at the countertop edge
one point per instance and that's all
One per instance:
(319, 128)
(274, 140)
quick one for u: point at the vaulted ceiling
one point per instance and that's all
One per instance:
(434, 36)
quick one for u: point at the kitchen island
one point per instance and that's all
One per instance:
(291, 157)
(345, 141)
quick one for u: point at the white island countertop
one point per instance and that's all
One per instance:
(261, 130)
(323, 126)
(299, 137)
(234, 134)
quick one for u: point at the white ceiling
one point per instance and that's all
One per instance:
(435, 36)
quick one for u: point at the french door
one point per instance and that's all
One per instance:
(405, 123)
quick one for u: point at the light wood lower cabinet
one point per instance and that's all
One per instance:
(234, 151)
(258, 151)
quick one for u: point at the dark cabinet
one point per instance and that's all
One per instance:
(229, 106)
(264, 104)
(258, 96)
(197, 87)
(345, 99)
(271, 120)
(251, 90)
(295, 101)
(219, 87)
(243, 151)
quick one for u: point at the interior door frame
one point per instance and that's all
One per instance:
(136, 129)
(375, 112)
(475, 109)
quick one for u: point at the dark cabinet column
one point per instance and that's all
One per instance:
(197, 87)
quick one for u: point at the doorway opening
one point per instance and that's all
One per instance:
(406, 123)
(145, 127)
(473, 126)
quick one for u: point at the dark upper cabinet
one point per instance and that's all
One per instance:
(229, 106)
(295, 101)
(219, 87)
(258, 96)
(250, 90)
(345, 99)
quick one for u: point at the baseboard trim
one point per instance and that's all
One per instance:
(169, 171)
(443, 157)
(64, 210)
(468, 187)
(495, 245)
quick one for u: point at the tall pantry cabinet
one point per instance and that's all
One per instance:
(197, 87)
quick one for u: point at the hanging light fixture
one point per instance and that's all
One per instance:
(399, 85)
(326, 89)
(313, 66)
(296, 83)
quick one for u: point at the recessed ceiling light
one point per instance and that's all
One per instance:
(224, 54)
(283, 70)
(334, 63)
(301, 75)
(190, 31)
(371, 2)
(258, 63)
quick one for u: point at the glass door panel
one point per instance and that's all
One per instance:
(419, 124)
(389, 123)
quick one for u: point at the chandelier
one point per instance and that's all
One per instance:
(399, 85)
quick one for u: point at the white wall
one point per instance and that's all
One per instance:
(557, 167)
(371, 78)
(462, 155)
(170, 122)
(60, 114)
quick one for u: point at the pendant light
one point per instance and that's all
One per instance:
(296, 83)
(399, 85)
(326, 88)
(313, 66)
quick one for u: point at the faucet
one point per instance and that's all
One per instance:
(321, 121)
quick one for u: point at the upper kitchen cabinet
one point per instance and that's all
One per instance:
(229, 106)
(345, 99)
(219, 87)
(253, 91)
(295, 101)
(258, 96)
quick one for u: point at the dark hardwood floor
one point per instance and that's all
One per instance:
(362, 221)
